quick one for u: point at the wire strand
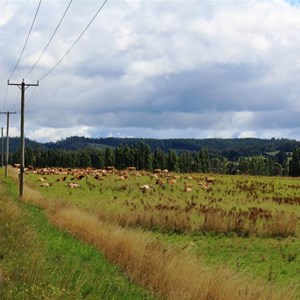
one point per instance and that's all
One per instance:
(33, 91)
(76, 41)
(16, 101)
(26, 40)
(5, 98)
(46, 47)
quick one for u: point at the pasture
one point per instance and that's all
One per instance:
(190, 203)
(249, 225)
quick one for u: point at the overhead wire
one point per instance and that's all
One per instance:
(76, 41)
(33, 91)
(5, 98)
(37, 10)
(16, 101)
(51, 38)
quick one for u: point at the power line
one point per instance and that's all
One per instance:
(26, 40)
(33, 91)
(63, 16)
(16, 101)
(5, 98)
(83, 32)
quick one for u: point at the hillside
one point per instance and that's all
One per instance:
(217, 146)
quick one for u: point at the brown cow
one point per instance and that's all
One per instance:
(159, 181)
(131, 169)
(171, 181)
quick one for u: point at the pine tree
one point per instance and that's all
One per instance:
(295, 163)
(172, 161)
(109, 157)
(159, 159)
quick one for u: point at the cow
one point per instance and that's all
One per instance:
(172, 181)
(131, 169)
(144, 188)
(187, 190)
(73, 185)
(159, 181)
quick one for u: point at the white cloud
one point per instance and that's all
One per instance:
(157, 68)
(53, 134)
(7, 12)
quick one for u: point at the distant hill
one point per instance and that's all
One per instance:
(225, 147)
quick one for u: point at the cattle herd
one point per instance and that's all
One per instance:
(71, 176)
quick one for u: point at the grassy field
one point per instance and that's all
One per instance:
(37, 261)
(242, 205)
(180, 257)
(249, 225)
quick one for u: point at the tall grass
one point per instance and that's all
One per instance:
(164, 270)
(38, 261)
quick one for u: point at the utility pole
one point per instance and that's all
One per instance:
(22, 86)
(8, 113)
(2, 148)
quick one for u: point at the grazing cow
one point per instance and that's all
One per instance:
(79, 177)
(110, 169)
(171, 181)
(159, 181)
(131, 169)
(187, 190)
(209, 179)
(98, 176)
(144, 188)
(204, 185)
(42, 179)
(45, 184)
(73, 185)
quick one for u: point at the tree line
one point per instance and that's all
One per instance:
(142, 157)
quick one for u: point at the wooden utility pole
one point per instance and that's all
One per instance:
(8, 113)
(22, 86)
(2, 148)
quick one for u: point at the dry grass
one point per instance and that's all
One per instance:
(164, 270)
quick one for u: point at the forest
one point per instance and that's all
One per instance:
(250, 156)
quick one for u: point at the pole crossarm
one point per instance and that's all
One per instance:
(22, 86)
(26, 84)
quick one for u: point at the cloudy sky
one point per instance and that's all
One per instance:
(162, 69)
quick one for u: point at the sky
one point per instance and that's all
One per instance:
(153, 69)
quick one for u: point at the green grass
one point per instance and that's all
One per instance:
(275, 260)
(234, 199)
(241, 192)
(271, 259)
(40, 262)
